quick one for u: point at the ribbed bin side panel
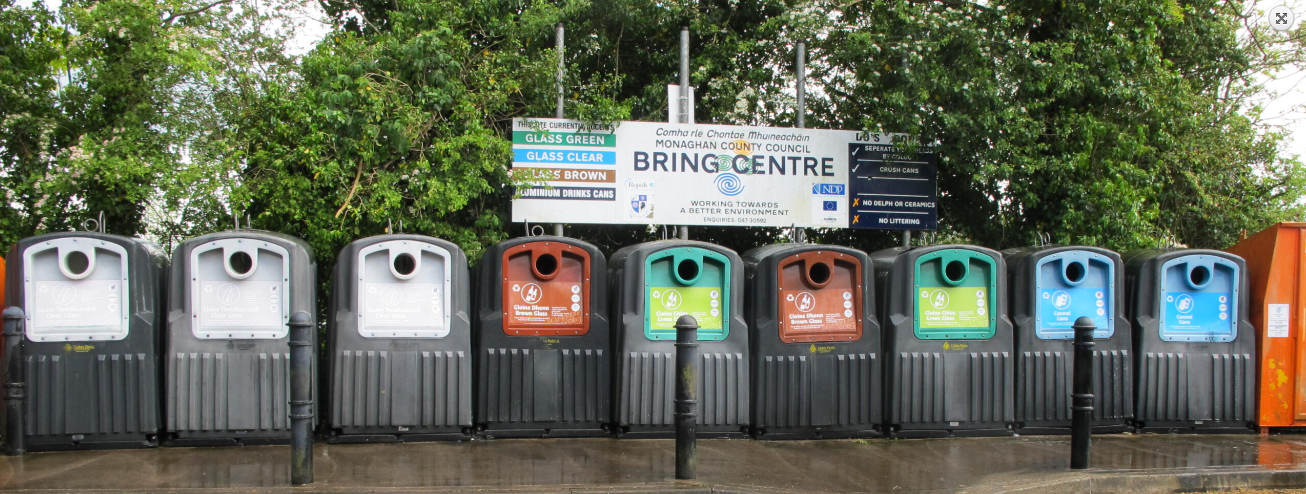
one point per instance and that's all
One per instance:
(857, 384)
(122, 387)
(989, 386)
(648, 390)
(522, 385)
(1112, 381)
(786, 384)
(1221, 386)
(722, 389)
(648, 394)
(229, 391)
(920, 393)
(1045, 394)
(1233, 379)
(923, 387)
(1163, 390)
(408, 388)
(785, 388)
(584, 386)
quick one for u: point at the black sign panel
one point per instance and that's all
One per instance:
(892, 191)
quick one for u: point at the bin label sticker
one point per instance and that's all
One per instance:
(1198, 312)
(1277, 320)
(952, 307)
(77, 304)
(665, 304)
(240, 304)
(1059, 307)
(545, 304)
(825, 310)
(403, 305)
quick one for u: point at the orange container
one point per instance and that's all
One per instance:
(1277, 273)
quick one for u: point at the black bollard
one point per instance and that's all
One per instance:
(686, 397)
(301, 398)
(15, 383)
(1082, 402)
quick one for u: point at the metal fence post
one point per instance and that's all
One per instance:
(686, 397)
(301, 398)
(1082, 402)
(15, 383)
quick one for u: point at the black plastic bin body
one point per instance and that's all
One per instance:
(815, 342)
(227, 373)
(1050, 288)
(944, 380)
(543, 341)
(645, 337)
(399, 343)
(93, 314)
(1195, 369)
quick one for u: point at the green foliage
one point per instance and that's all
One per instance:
(1106, 122)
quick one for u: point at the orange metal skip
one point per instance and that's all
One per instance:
(1277, 274)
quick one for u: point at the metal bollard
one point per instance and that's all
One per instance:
(686, 397)
(1082, 401)
(15, 383)
(301, 398)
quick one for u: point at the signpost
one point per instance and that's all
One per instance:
(686, 174)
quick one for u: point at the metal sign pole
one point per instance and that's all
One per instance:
(684, 94)
(800, 233)
(562, 71)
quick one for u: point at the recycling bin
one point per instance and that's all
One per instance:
(543, 342)
(1051, 287)
(950, 367)
(815, 342)
(93, 315)
(230, 297)
(654, 284)
(1276, 272)
(1193, 343)
(399, 343)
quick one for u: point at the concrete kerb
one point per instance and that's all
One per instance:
(1207, 480)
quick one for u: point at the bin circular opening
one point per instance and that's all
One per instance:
(405, 264)
(818, 273)
(1075, 272)
(546, 264)
(954, 271)
(1199, 276)
(241, 263)
(77, 263)
(687, 270)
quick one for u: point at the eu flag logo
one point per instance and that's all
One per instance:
(830, 206)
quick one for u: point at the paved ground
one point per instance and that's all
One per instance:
(1029, 464)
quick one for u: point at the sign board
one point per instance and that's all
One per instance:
(891, 191)
(681, 174)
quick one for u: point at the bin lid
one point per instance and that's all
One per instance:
(1070, 284)
(76, 289)
(403, 290)
(1199, 299)
(686, 280)
(238, 289)
(955, 293)
(820, 294)
(546, 289)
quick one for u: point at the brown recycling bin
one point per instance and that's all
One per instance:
(542, 340)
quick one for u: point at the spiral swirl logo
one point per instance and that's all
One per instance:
(729, 184)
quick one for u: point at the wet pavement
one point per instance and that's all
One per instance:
(1032, 464)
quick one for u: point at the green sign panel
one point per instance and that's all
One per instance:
(686, 280)
(668, 303)
(565, 139)
(952, 307)
(955, 295)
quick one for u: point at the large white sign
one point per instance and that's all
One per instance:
(658, 173)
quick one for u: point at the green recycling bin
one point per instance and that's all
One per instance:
(948, 341)
(656, 283)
